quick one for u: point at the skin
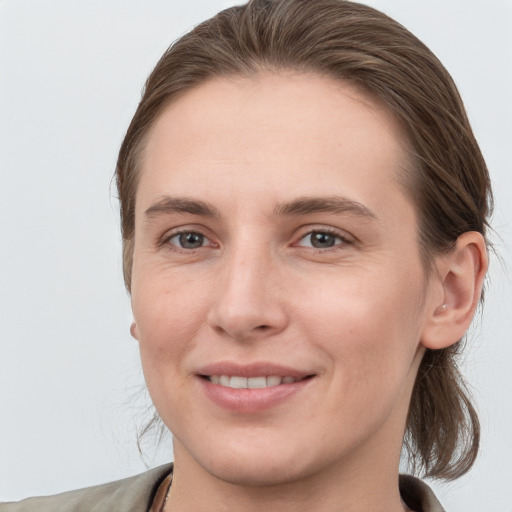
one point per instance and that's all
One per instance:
(356, 312)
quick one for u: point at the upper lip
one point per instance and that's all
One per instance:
(256, 369)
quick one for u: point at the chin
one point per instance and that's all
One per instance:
(256, 473)
(254, 464)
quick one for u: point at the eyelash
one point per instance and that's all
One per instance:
(343, 239)
(175, 247)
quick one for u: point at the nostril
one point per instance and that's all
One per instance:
(244, 318)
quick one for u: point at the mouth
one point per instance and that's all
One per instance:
(253, 388)
(257, 382)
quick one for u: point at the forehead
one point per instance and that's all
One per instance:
(281, 132)
(269, 102)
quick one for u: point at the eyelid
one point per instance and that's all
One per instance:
(165, 239)
(204, 239)
(346, 238)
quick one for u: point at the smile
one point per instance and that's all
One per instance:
(239, 382)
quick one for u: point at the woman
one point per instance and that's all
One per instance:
(304, 211)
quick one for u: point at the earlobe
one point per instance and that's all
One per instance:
(133, 331)
(461, 274)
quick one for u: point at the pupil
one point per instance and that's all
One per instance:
(322, 240)
(191, 240)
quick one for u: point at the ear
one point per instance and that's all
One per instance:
(457, 287)
(134, 331)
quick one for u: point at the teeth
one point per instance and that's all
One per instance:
(256, 382)
(238, 382)
(273, 380)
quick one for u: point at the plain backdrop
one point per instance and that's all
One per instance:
(71, 74)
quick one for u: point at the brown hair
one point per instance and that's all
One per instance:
(449, 182)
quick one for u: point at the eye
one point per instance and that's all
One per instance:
(189, 240)
(322, 240)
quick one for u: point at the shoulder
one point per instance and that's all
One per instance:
(133, 494)
(418, 495)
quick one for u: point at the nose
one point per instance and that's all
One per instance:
(249, 303)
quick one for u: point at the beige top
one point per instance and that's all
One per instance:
(147, 492)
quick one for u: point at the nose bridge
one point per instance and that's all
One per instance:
(248, 302)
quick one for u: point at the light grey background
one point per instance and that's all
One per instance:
(70, 77)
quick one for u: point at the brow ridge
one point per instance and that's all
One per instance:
(330, 204)
(171, 204)
(297, 207)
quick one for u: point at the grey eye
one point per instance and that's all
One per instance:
(320, 240)
(323, 240)
(188, 240)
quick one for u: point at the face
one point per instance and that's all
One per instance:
(278, 290)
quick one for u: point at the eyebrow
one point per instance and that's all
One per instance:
(300, 206)
(331, 204)
(169, 204)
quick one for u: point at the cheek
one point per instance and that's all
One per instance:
(167, 320)
(167, 315)
(369, 325)
(371, 342)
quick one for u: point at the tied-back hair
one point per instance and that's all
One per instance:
(447, 181)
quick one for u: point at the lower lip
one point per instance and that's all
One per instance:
(251, 400)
